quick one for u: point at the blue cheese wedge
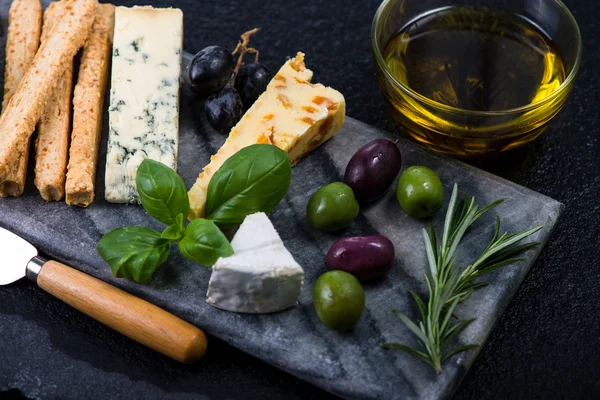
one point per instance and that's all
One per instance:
(261, 276)
(144, 97)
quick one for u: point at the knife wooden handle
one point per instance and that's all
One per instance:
(133, 317)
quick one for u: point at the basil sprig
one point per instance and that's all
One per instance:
(255, 179)
(136, 252)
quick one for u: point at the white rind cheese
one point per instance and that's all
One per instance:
(257, 232)
(261, 277)
(144, 97)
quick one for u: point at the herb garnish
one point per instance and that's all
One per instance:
(136, 252)
(449, 285)
(255, 179)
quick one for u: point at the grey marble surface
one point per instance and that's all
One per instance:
(351, 365)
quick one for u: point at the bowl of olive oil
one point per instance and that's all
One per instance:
(475, 78)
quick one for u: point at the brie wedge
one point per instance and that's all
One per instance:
(261, 276)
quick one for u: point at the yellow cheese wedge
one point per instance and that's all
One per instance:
(292, 114)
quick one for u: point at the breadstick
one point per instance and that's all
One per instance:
(29, 101)
(88, 109)
(52, 143)
(23, 40)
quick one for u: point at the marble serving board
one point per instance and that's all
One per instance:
(351, 365)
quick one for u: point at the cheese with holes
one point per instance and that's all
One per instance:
(261, 276)
(144, 97)
(292, 114)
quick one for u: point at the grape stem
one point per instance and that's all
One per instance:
(243, 49)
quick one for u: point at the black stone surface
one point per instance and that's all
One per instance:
(546, 343)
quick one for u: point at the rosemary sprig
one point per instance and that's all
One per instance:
(449, 285)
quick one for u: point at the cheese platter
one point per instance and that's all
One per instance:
(272, 264)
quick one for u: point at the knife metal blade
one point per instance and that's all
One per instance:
(16, 254)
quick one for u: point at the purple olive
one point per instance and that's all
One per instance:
(373, 169)
(364, 257)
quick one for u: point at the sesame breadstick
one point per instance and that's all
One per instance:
(52, 144)
(23, 40)
(88, 108)
(29, 101)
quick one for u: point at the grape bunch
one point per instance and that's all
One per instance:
(231, 87)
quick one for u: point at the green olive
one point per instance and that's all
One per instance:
(333, 207)
(420, 192)
(339, 300)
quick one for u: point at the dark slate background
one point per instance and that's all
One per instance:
(546, 344)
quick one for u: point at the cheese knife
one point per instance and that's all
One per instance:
(133, 317)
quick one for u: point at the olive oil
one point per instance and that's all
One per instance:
(475, 59)
(480, 80)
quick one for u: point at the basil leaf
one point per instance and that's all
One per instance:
(254, 179)
(204, 242)
(162, 192)
(176, 231)
(173, 233)
(180, 218)
(134, 252)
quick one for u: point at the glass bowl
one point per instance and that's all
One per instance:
(468, 133)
